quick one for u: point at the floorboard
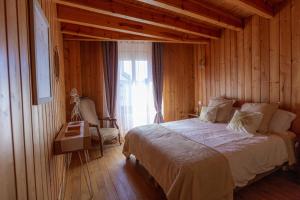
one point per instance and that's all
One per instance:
(115, 178)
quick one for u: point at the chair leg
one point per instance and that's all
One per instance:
(119, 135)
(101, 148)
(101, 144)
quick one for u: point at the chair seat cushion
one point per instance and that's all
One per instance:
(107, 134)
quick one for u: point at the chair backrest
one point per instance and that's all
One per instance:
(87, 110)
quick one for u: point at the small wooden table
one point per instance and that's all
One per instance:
(75, 137)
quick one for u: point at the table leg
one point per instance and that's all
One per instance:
(87, 178)
(68, 159)
(87, 159)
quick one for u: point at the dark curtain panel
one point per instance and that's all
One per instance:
(110, 61)
(157, 74)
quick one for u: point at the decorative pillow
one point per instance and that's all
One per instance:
(245, 122)
(233, 111)
(281, 121)
(266, 109)
(224, 108)
(208, 114)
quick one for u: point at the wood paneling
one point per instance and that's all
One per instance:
(199, 73)
(266, 54)
(295, 104)
(178, 94)
(84, 71)
(28, 168)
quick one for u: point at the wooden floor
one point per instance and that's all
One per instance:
(114, 178)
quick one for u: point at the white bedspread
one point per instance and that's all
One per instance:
(247, 155)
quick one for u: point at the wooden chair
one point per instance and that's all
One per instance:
(88, 113)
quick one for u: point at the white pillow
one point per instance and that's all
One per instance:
(281, 121)
(224, 108)
(208, 114)
(266, 109)
(245, 122)
(233, 111)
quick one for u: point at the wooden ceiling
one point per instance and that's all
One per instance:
(174, 21)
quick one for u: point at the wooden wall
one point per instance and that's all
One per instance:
(84, 71)
(259, 64)
(28, 169)
(178, 94)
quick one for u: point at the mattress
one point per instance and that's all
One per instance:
(247, 155)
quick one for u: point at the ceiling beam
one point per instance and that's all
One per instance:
(258, 7)
(95, 20)
(66, 36)
(84, 37)
(198, 11)
(101, 33)
(139, 14)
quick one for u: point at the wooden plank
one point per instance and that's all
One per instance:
(203, 74)
(208, 73)
(241, 66)
(265, 59)
(258, 7)
(222, 65)
(37, 154)
(285, 57)
(26, 96)
(95, 20)
(16, 100)
(148, 16)
(200, 66)
(42, 152)
(196, 75)
(295, 17)
(7, 173)
(227, 62)
(233, 65)
(274, 60)
(199, 12)
(188, 96)
(212, 69)
(217, 68)
(248, 59)
(256, 71)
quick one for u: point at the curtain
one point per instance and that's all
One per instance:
(135, 105)
(110, 61)
(157, 73)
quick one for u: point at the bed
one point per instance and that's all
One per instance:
(191, 159)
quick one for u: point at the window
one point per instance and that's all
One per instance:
(135, 104)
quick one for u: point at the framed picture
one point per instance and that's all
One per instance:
(40, 54)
